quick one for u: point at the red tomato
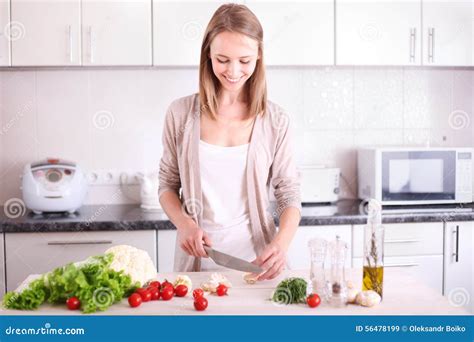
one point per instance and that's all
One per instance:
(73, 303)
(166, 283)
(135, 300)
(144, 293)
(155, 293)
(200, 303)
(221, 290)
(198, 293)
(313, 300)
(155, 283)
(181, 290)
(167, 293)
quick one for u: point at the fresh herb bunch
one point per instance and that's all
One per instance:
(290, 291)
(93, 281)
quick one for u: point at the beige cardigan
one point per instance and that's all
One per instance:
(270, 159)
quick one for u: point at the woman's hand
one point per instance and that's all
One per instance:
(272, 260)
(191, 240)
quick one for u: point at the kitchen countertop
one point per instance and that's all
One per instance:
(403, 295)
(132, 217)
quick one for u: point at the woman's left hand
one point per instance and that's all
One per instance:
(272, 260)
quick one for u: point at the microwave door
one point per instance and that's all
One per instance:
(418, 176)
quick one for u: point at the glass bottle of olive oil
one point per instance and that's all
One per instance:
(372, 277)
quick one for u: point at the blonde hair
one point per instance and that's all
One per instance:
(239, 19)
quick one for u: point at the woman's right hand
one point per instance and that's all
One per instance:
(191, 240)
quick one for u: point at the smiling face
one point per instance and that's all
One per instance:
(234, 57)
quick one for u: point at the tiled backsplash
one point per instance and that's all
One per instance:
(112, 118)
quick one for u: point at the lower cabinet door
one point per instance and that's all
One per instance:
(166, 247)
(37, 253)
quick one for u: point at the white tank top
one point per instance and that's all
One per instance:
(225, 201)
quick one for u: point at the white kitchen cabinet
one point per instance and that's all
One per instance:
(448, 33)
(116, 32)
(296, 32)
(178, 30)
(416, 247)
(298, 255)
(46, 33)
(33, 253)
(2, 266)
(5, 33)
(459, 264)
(378, 33)
(166, 247)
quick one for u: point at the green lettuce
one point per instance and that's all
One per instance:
(92, 281)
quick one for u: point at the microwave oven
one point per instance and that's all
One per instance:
(410, 176)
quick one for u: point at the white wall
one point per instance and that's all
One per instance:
(112, 118)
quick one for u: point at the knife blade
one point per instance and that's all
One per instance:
(232, 262)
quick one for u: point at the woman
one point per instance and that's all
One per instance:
(223, 148)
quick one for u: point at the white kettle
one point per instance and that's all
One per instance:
(149, 191)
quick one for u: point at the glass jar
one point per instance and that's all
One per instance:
(317, 276)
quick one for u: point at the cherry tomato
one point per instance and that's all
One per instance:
(221, 290)
(166, 283)
(135, 300)
(155, 283)
(155, 293)
(144, 293)
(167, 293)
(313, 300)
(200, 303)
(198, 293)
(181, 290)
(73, 303)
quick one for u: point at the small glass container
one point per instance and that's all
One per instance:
(317, 276)
(337, 286)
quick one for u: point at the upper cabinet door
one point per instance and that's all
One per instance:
(45, 33)
(296, 33)
(5, 29)
(178, 30)
(448, 33)
(116, 32)
(378, 33)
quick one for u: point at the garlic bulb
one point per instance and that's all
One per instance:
(351, 295)
(368, 298)
(214, 281)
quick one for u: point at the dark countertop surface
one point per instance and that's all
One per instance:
(132, 217)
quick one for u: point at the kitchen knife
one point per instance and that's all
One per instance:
(232, 262)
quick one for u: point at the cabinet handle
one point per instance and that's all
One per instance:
(91, 45)
(412, 44)
(402, 265)
(431, 44)
(401, 240)
(85, 242)
(70, 43)
(456, 253)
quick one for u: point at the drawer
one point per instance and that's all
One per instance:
(405, 239)
(429, 269)
(34, 253)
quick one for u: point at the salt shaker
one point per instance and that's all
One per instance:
(317, 251)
